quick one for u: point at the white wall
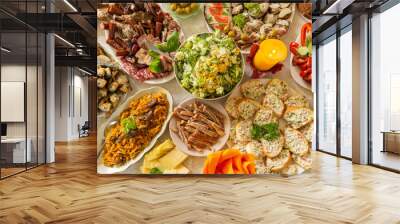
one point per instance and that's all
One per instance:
(70, 83)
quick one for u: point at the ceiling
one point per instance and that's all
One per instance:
(329, 16)
(72, 20)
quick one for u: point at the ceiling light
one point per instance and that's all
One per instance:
(70, 5)
(5, 49)
(64, 40)
(84, 71)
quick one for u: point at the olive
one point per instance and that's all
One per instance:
(188, 9)
(173, 6)
(194, 6)
(244, 37)
(226, 29)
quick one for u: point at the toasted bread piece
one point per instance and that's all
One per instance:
(279, 88)
(275, 103)
(295, 142)
(253, 89)
(298, 117)
(265, 115)
(279, 162)
(231, 106)
(261, 168)
(296, 101)
(304, 161)
(307, 131)
(255, 148)
(274, 147)
(289, 170)
(247, 108)
(232, 134)
(242, 131)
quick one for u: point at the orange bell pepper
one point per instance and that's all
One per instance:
(213, 162)
(229, 161)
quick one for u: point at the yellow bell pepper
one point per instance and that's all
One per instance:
(270, 53)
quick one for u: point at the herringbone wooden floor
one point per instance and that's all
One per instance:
(70, 191)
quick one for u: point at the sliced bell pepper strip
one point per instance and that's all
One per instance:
(213, 162)
(304, 30)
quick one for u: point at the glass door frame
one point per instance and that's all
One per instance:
(338, 153)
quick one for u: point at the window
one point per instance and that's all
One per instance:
(385, 89)
(327, 96)
(346, 93)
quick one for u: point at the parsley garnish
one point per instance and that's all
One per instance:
(268, 132)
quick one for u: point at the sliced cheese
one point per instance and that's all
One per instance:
(178, 170)
(172, 159)
(160, 150)
(148, 165)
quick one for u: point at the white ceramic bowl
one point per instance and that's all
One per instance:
(217, 146)
(217, 98)
(101, 168)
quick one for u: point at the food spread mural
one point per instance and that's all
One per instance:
(204, 88)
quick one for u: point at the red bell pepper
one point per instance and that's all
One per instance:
(304, 30)
(293, 47)
(253, 50)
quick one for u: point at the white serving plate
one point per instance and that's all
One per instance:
(217, 146)
(295, 71)
(102, 41)
(101, 168)
(247, 50)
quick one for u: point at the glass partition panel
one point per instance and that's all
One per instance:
(346, 93)
(385, 89)
(327, 96)
(13, 94)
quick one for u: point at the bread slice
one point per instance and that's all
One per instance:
(242, 131)
(298, 117)
(279, 88)
(275, 103)
(231, 106)
(307, 131)
(255, 148)
(289, 170)
(247, 108)
(279, 162)
(253, 89)
(304, 161)
(274, 147)
(296, 142)
(296, 101)
(265, 115)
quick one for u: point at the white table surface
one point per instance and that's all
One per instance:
(194, 25)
